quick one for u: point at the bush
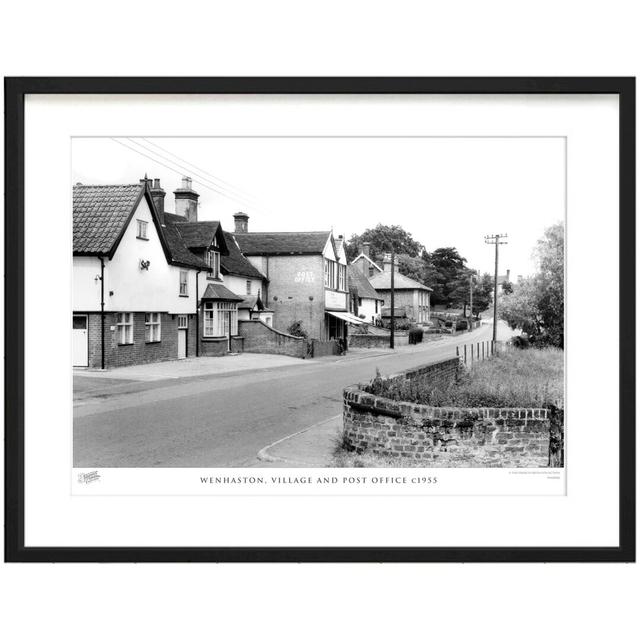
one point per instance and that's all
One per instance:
(296, 329)
(520, 342)
(415, 335)
(519, 378)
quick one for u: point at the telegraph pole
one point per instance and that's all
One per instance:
(496, 239)
(392, 337)
(470, 301)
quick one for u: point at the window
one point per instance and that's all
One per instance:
(342, 277)
(248, 287)
(329, 274)
(152, 327)
(184, 283)
(183, 322)
(142, 230)
(213, 262)
(220, 319)
(125, 328)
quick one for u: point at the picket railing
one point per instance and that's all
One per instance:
(478, 351)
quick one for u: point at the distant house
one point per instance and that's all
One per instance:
(134, 284)
(364, 263)
(305, 278)
(410, 296)
(364, 300)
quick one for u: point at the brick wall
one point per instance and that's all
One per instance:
(140, 352)
(261, 338)
(374, 341)
(292, 281)
(450, 437)
(214, 346)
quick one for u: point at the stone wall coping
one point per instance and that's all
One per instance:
(353, 395)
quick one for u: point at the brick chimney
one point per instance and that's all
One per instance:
(241, 221)
(158, 194)
(187, 201)
(364, 250)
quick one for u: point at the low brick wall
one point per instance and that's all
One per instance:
(322, 348)
(237, 344)
(450, 437)
(259, 337)
(372, 341)
(214, 346)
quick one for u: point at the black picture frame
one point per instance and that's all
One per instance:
(15, 91)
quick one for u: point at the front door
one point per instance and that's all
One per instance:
(182, 344)
(182, 336)
(80, 341)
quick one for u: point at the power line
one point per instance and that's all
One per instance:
(203, 180)
(181, 173)
(213, 177)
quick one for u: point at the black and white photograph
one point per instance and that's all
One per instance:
(307, 319)
(318, 302)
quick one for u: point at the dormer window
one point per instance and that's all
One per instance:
(213, 262)
(142, 230)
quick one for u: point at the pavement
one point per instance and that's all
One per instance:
(310, 447)
(223, 412)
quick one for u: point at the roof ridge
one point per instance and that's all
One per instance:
(104, 186)
(255, 233)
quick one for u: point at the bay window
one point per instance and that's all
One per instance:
(220, 319)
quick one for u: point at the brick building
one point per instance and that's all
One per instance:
(150, 285)
(305, 278)
(134, 283)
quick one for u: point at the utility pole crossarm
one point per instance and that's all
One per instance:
(496, 239)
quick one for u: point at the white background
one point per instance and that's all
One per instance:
(369, 38)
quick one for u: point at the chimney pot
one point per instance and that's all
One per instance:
(366, 247)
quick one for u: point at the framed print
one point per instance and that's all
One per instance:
(320, 319)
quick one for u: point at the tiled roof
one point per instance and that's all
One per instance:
(360, 285)
(235, 263)
(282, 243)
(252, 302)
(382, 281)
(198, 235)
(219, 292)
(179, 251)
(99, 215)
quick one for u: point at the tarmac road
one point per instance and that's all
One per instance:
(224, 420)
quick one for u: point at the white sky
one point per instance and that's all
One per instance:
(444, 191)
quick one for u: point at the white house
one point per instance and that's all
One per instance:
(134, 286)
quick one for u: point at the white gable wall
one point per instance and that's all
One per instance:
(134, 289)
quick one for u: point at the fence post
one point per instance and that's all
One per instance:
(457, 352)
(465, 354)
(483, 350)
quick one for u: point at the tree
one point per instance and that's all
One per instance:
(383, 238)
(507, 287)
(418, 269)
(451, 269)
(482, 292)
(536, 306)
